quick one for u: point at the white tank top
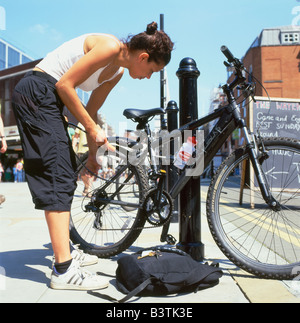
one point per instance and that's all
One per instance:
(59, 61)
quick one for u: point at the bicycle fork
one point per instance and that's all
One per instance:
(256, 159)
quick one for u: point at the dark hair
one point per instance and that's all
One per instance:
(155, 42)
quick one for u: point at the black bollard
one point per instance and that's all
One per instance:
(190, 202)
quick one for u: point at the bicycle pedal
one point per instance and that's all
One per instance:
(170, 240)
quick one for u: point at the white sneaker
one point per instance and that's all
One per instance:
(77, 279)
(84, 259)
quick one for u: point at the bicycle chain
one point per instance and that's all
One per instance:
(153, 225)
(149, 212)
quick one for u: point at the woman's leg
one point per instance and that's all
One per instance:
(71, 277)
(58, 225)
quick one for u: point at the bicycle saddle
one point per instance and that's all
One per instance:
(138, 115)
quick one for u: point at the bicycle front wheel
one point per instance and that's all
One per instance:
(257, 238)
(101, 222)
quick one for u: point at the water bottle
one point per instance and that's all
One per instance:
(185, 153)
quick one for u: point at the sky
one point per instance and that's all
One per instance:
(198, 28)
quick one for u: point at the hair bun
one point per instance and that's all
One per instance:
(151, 28)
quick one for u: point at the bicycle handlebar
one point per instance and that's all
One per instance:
(231, 59)
(228, 54)
(240, 80)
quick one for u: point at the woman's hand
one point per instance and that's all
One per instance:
(4, 146)
(96, 138)
(92, 166)
(100, 137)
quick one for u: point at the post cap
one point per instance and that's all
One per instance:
(188, 68)
(172, 106)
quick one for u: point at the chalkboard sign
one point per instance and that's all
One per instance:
(276, 118)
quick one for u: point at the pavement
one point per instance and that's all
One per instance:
(26, 256)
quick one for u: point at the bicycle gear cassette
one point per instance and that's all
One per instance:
(157, 214)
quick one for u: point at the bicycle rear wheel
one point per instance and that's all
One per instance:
(133, 189)
(99, 222)
(256, 238)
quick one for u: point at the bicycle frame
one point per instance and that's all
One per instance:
(216, 138)
(213, 142)
(229, 120)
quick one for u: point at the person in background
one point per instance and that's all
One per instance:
(19, 171)
(92, 62)
(71, 130)
(80, 146)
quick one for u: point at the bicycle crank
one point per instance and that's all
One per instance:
(158, 207)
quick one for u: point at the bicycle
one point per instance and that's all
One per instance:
(253, 218)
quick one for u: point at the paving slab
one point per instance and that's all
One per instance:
(26, 257)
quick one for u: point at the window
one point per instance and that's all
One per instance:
(2, 56)
(13, 57)
(290, 38)
(2, 19)
(272, 70)
(25, 59)
(250, 74)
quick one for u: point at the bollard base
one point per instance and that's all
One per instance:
(194, 249)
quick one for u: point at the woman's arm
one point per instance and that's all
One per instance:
(96, 100)
(101, 54)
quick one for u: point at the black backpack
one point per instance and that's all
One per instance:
(163, 271)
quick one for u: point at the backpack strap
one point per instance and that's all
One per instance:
(103, 296)
(138, 289)
(131, 294)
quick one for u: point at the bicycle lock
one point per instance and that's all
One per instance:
(190, 203)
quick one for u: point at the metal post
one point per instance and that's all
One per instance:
(172, 176)
(163, 83)
(163, 121)
(172, 117)
(162, 77)
(190, 211)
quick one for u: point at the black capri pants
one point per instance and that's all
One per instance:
(49, 160)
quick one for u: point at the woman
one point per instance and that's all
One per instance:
(93, 62)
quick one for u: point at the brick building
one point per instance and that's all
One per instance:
(274, 59)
